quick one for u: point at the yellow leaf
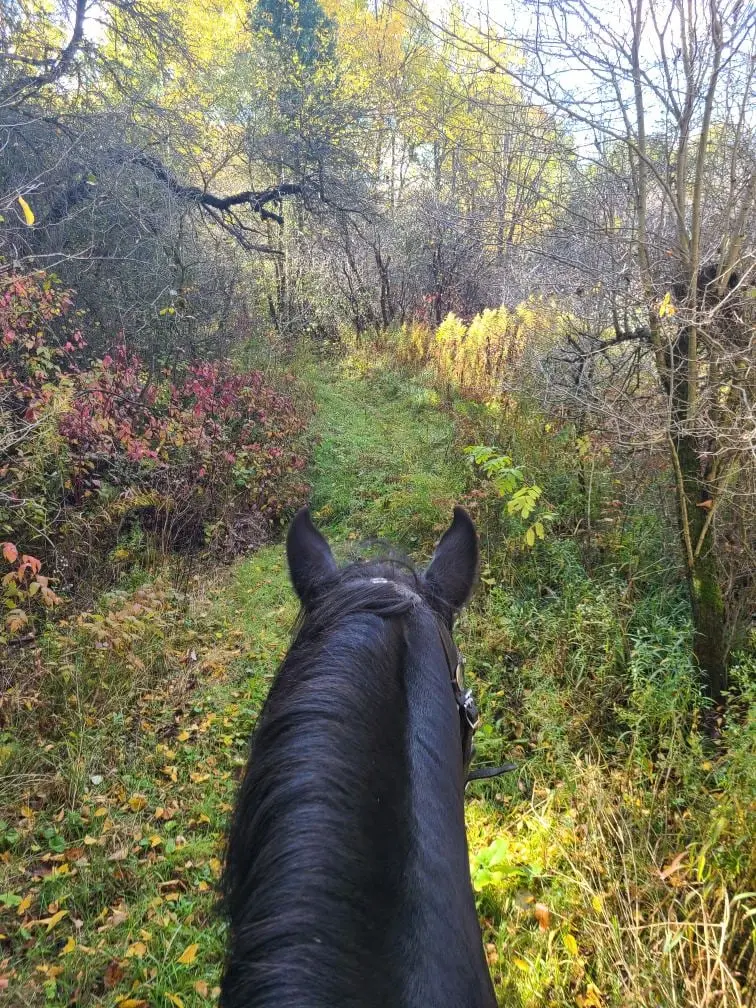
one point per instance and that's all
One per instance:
(591, 998)
(131, 1003)
(26, 812)
(68, 947)
(55, 919)
(24, 905)
(189, 954)
(215, 866)
(202, 989)
(175, 999)
(570, 944)
(597, 903)
(521, 964)
(27, 211)
(50, 922)
(136, 950)
(100, 812)
(136, 802)
(183, 736)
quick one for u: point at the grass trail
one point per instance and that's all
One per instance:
(115, 792)
(110, 859)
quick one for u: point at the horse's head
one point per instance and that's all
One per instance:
(445, 585)
(443, 588)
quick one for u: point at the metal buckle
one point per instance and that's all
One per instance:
(470, 709)
(459, 672)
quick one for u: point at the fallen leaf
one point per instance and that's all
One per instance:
(674, 866)
(24, 905)
(189, 954)
(136, 802)
(543, 916)
(570, 944)
(113, 974)
(68, 947)
(136, 950)
(597, 902)
(175, 999)
(49, 922)
(10, 552)
(118, 916)
(201, 987)
(128, 1002)
(591, 998)
(521, 964)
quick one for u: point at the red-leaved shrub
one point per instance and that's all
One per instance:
(92, 448)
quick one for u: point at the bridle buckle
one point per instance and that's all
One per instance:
(470, 710)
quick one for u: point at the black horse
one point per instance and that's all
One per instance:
(347, 880)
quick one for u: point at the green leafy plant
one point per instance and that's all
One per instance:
(508, 481)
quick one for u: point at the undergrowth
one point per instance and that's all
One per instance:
(614, 869)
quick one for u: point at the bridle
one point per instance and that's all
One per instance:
(469, 716)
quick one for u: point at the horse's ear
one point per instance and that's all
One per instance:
(453, 570)
(309, 556)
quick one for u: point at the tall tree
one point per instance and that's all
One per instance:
(660, 94)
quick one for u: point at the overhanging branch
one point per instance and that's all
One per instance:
(257, 201)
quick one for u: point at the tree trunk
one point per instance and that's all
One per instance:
(696, 497)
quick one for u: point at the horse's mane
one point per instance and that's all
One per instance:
(328, 758)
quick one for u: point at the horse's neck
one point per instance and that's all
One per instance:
(443, 938)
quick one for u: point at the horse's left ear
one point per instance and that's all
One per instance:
(453, 571)
(309, 556)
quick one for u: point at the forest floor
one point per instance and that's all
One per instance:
(112, 826)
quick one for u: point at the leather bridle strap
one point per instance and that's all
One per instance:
(469, 718)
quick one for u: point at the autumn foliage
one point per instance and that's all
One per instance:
(94, 448)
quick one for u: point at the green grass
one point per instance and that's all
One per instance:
(610, 872)
(386, 465)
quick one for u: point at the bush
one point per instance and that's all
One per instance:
(94, 449)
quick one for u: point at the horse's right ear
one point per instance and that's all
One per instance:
(309, 556)
(453, 570)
